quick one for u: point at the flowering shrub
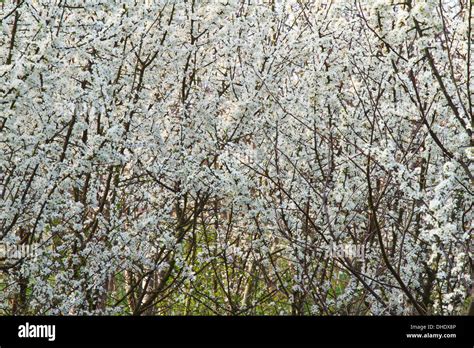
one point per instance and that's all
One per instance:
(202, 157)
